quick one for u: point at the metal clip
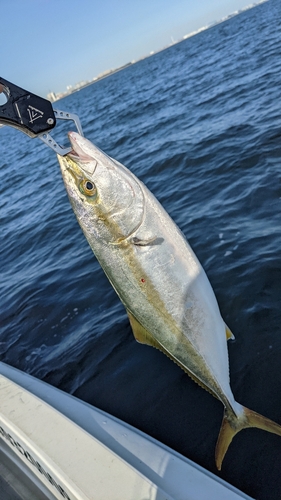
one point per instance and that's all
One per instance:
(47, 139)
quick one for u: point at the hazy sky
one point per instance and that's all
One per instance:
(48, 44)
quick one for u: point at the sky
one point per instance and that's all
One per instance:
(49, 44)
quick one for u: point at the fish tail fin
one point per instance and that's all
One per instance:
(232, 424)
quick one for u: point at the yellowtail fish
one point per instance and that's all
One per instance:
(170, 302)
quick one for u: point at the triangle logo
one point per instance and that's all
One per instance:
(34, 114)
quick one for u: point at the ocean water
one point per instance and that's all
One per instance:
(200, 124)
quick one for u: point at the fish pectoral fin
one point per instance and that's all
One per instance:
(144, 242)
(232, 424)
(229, 334)
(141, 334)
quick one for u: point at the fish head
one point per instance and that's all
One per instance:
(106, 197)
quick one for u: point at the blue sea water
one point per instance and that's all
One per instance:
(200, 124)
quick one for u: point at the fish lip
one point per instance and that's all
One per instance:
(77, 152)
(85, 162)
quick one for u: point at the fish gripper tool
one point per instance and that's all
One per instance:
(33, 115)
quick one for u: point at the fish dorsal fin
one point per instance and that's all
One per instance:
(145, 337)
(229, 334)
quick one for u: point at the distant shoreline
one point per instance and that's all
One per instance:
(53, 97)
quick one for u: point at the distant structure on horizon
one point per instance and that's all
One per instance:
(52, 96)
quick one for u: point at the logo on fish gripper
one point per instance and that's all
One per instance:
(34, 114)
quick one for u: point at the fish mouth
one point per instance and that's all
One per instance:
(77, 153)
(79, 158)
(70, 167)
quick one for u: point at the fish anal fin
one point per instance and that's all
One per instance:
(144, 337)
(141, 334)
(229, 334)
(232, 424)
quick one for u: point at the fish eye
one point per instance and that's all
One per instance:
(87, 187)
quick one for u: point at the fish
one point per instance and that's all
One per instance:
(168, 298)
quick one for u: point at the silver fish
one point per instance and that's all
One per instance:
(168, 297)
